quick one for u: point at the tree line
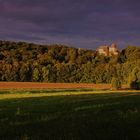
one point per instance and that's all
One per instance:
(21, 61)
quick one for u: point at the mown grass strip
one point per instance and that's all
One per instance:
(15, 95)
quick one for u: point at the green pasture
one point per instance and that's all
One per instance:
(69, 115)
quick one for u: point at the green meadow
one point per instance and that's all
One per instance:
(69, 115)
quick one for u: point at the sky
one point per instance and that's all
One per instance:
(78, 23)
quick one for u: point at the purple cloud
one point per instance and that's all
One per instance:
(80, 23)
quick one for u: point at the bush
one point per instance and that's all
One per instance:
(134, 85)
(115, 83)
(134, 79)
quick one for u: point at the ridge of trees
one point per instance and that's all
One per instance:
(21, 61)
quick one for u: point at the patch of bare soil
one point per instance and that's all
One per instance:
(37, 85)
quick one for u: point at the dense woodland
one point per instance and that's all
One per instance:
(20, 61)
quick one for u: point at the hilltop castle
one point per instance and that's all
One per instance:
(108, 50)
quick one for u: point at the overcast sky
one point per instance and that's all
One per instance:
(79, 23)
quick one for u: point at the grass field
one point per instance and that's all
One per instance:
(81, 115)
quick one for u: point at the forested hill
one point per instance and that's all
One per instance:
(20, 61)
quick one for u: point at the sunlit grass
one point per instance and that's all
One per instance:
(6, 94)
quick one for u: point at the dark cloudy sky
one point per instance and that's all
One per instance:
(79, 23)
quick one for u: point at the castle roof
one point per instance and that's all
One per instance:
(113, 45)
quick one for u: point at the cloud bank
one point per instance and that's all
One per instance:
(79, 23)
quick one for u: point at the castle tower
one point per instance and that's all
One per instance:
(113, 49)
